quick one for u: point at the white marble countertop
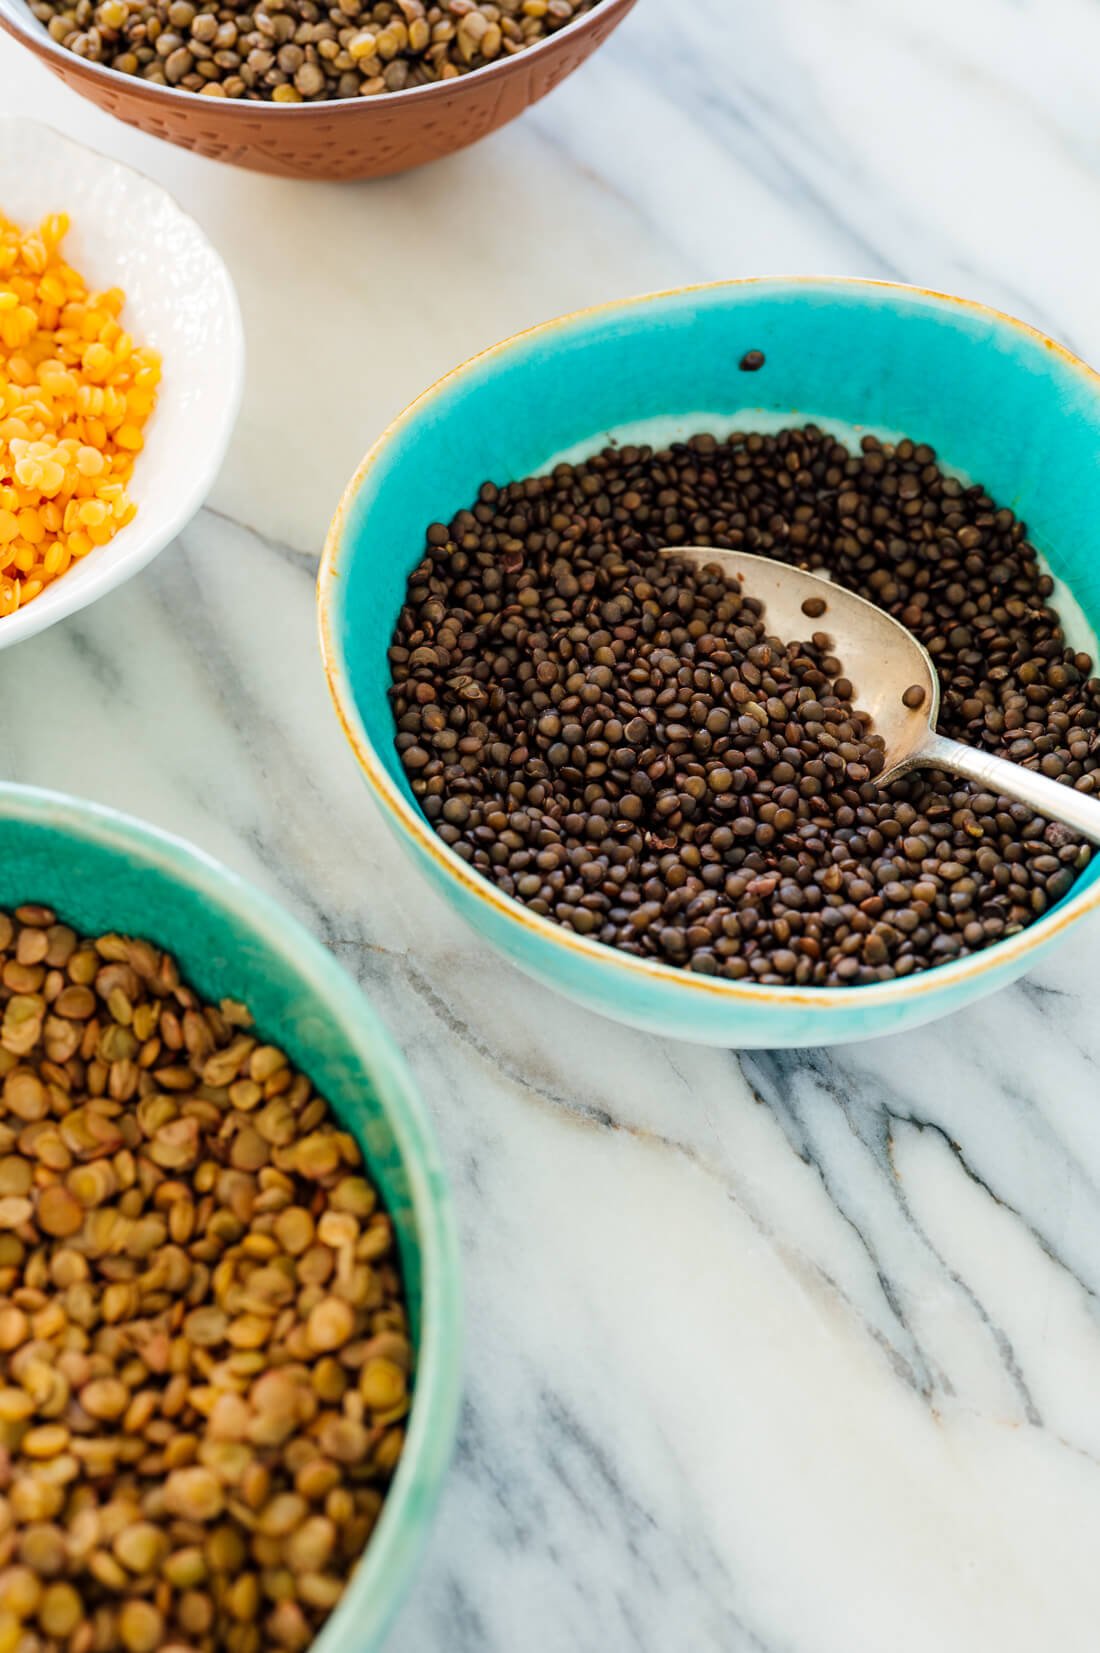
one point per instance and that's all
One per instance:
(794, 1352)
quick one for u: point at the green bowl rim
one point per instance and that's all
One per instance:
(408, 822)
(380, 1578)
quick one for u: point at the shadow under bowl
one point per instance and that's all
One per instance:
(102, 871)
(1000, 403)
(347, 138)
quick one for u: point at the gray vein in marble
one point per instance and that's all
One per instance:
(259, 731)
(423, 988)
(1014, 1088)
(462, 1625)
(1056, 1005)
(103, 667)
(585, 1113)
(972, 69)
(598, 1114)
(777, 1077)
(805, 162)
(599, 1500)
(475, 1456)
(295, 556)
(765, 153)
(561, 144)
(769, 1076)
(646, 1532)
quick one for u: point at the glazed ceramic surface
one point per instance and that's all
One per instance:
(1000, 403)
(128, 232)
(103, 871)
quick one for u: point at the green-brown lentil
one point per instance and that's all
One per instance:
(574, 716)
(204, 1354)
(301, 51)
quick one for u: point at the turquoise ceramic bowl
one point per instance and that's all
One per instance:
(999, 402)
(104, 871)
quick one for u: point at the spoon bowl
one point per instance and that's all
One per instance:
(881, 659)
(886, 666)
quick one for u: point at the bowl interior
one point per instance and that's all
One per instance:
(999, 403)
(102, 872)
(127, 232)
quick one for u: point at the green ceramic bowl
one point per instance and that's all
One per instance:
(999, 402)
(104, 871)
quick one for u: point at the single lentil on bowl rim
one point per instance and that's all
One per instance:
(610, 736)
(301, 51)
(204, 1351)
(75, 393)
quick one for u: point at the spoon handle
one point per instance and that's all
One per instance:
(999, 775)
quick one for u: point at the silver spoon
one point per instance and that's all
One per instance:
(888, 666)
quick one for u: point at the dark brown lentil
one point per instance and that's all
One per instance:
(752, 361)
(301, 51)
(604, 734)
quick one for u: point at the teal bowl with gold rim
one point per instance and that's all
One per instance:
(999, 402)
(103, 871)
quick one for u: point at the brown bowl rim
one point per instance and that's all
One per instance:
(16, 16)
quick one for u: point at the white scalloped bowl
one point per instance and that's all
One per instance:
(128, 232)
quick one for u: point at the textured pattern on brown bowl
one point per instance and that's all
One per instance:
(359, 138)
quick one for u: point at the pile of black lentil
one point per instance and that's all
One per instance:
(607, 735)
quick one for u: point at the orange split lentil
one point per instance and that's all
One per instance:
(75, 393)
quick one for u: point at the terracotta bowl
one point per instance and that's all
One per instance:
(353, 138)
